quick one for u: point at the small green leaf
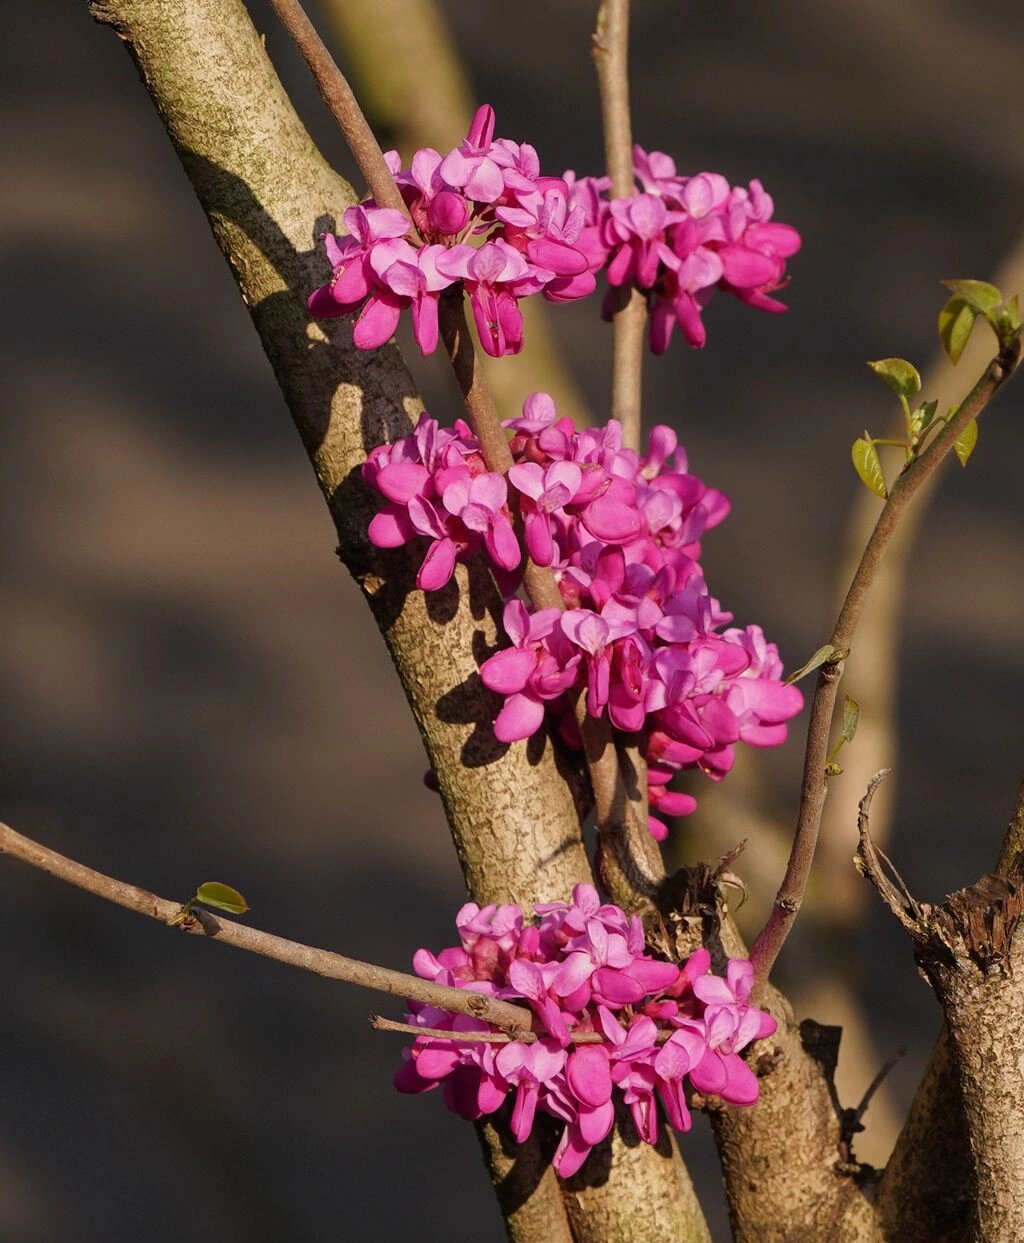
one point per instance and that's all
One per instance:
(867, 465)
(1006, 321)
(223, 897)
(819, 658)
(964, 444)
(832, 769)
(956, 319)
(979, 295)
(921, 419)
(851, 718)
(899, 375)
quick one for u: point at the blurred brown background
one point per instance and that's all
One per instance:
(193, 690)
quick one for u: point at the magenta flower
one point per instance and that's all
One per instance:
(681, 1027)
(640, 630)
(471, 166)
(496, 276)
(405, 278)
(536, 670)
(352, 276)
(543, 493)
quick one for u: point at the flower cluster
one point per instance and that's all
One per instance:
(582, 968)
(532, 233)
(621, 532)
(487, 188)
(682, 238)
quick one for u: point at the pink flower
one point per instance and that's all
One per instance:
(405, 277)
(622, 531)
(495, 276)
(680, 1027)
(352, 276)
(470, 167)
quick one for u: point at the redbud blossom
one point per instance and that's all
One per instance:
(582, 966)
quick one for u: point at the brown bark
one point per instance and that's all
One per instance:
(268, 192)
(785, 1175)
(970, 950)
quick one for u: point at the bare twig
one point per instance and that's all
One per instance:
(876, 1083)
(611, 57)
(869, 861)
(381, 1024)
(338, 96)
(512, 1018)
(814, 788)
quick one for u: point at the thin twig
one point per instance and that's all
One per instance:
(869, 860)
(338, 96)
(512, 1018)
(611, 58)
(381, 1024)
(876, 1083)
(814, 786)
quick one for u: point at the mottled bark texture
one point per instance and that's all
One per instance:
(973, 954)
(920, 1197)
(971, 951)
(268, 193)
(785, 1174)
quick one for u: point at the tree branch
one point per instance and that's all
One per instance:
(814, 783)
(918, 1196)
(970, 950)
(381, 1024)
(611, 58)
(341, 103)
(516, 1021)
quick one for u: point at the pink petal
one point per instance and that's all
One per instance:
(401, 481)
(521, 717)
(509, 671)
(612, 521)
(747, 269)
(589, 1075)
(437, 566)
(377, 321)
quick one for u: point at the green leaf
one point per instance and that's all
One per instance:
(820, 657)
(921, 418)
(956, 319)
(964, 444)
(979, 295)
(867, 465)
(899, 375)
(851, 718)
(223, 897)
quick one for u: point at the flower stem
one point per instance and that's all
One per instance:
(611, 58)
(814, 786)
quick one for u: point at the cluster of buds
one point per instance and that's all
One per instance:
(533, 233)
(582, 969)
(621, 532)
(487, 189)
(682, 238)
